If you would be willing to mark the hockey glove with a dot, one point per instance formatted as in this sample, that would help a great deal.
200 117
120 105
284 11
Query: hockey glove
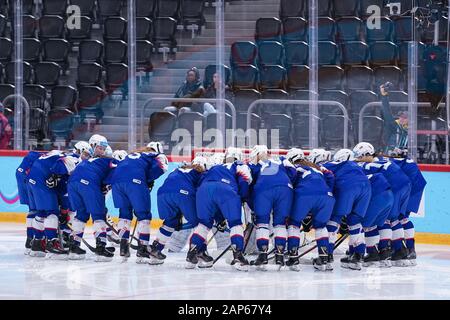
151 185
64 217
179 225
52 182
307 224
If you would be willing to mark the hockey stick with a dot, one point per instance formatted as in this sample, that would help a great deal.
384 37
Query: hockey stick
91 248
337 244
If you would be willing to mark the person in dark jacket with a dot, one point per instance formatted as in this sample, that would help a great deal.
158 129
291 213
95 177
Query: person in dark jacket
395 131
191 88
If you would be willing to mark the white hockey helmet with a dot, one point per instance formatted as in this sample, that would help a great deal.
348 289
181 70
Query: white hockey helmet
258 150
157 146
319 155
344 155
295 154
235 153
215 159
200 161
81 147
363 149
98 140
119 155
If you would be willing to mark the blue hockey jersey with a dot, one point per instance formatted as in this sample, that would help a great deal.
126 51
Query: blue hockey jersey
411 169
26 164
236 174
144 167
347 173
41 169
93 171
392 172
310 181
271 173
181 180
378 183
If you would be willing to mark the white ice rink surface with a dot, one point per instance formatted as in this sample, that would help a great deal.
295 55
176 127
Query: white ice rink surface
23 277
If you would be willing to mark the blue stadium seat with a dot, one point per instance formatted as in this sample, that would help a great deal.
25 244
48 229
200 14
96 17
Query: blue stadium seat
384 33
270 53
403 29
115 51
144 28
328 53
272 77
345 8
349 29
403 53
114 28
383 53
89 74
326 29
244 97
354 53
31 50
331 78
57 50
243 52
47 74
164 33
292 8
90 51
295 29
209 74
51 27
75 35
161 126
359 78
388 73
268 29
245 77
64 97
297 53
298 77
324 8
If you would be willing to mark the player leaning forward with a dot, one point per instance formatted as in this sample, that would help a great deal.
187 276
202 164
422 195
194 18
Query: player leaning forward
222 190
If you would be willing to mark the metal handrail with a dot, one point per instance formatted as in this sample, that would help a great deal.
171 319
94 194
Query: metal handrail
27 117
393 104
227 102
300 102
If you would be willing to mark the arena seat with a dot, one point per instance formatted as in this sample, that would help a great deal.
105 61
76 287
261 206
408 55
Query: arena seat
292 8
268 29
243 52
384 33
245 77
161 125
270 53
29 24
6 49
54 7
383 53
268 109
359 78
146 8
403 29
332 131
117 77
392 74
108 8
6 90
61 123
354 53
328 53
89 74
403 53
169 8
333 95
296 53
115 51
57 50
3 22
36 95
345 8
31 50
186 120
365 4
331 78
10 73
349 29
144 50
47 74
272 77
282 123
90 101
192 12
211 121
63 97
298 77
90 51
295 29
326 29
87 7
324 8
144 28
51 27
244 97
114 28
164 33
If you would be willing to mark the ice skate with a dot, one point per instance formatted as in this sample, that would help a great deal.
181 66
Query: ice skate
399 258
204 260
345 261
261 261
28 246
385 258
293 261
355 261
239 262
372 259
330 260
191 258
55 251
38 248
156 256
102 254
75 252
320 263
411 257
279 257
142 254
113 239
124 249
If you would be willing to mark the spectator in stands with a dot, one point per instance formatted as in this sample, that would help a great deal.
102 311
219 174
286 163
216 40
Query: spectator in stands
211 93
191 88
395 131
5 130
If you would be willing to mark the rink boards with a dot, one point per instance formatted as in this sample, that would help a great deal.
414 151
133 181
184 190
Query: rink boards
432 221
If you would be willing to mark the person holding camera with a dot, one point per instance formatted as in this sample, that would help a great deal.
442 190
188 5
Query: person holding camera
395 130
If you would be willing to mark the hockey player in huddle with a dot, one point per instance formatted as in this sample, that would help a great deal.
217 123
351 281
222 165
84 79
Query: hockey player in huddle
380 206
176 200
352 193
222 190
418 183
312 195
22 184
86 195
46 199
392 231
272 191
131 181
